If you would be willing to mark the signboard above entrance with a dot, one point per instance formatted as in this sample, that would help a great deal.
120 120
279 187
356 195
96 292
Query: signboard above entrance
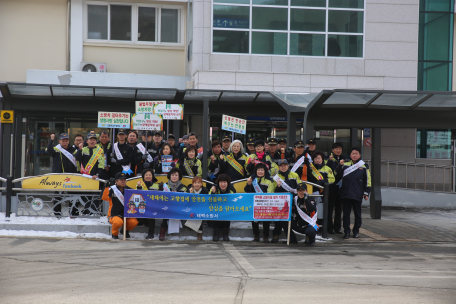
113 120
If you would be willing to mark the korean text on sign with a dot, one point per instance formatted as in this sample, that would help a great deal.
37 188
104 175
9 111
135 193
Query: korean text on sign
234 124
170 111
147 106
113 120
146 121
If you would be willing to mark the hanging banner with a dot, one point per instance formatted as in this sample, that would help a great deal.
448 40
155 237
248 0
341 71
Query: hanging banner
146 121
234 124
147 106
226 207
113 120
170 111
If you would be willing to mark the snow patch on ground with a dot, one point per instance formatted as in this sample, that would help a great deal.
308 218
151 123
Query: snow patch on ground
54 234
41 220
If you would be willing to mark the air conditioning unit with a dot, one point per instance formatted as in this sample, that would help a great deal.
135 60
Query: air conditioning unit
93 67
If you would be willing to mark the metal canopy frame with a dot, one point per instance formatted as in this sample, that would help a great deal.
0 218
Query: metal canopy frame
328 109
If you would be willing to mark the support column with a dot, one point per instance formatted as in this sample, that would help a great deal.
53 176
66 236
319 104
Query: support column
176 129
308 129
353 137
205 136
7 131
376 190
17 142
291 127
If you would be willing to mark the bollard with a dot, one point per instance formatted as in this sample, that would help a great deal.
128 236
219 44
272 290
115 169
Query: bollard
325 210
9 193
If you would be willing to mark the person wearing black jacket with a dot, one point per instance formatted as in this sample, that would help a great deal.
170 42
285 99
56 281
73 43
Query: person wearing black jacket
154 148
308 206
334 201
149 182
63 161
234 162
165 150
356 186
275 152
213 160
172 142
222 186
260 176
126 151
116 206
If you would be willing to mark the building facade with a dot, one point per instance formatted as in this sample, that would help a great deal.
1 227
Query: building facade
282 46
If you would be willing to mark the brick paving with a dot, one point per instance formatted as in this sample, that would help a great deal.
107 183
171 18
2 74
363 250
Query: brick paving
399 224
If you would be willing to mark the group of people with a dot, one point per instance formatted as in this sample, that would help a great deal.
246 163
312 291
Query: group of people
273 171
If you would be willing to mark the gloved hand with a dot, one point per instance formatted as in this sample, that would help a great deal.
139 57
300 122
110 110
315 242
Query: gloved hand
113 160
160 186
146 165
113 155
182 145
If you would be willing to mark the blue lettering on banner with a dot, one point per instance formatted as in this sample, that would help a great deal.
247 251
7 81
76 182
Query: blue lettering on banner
227 207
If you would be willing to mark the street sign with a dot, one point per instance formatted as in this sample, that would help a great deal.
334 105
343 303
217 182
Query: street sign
7 116
367 132
368 142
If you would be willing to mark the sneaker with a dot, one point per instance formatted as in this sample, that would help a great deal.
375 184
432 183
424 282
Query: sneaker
149 236
115 237
355 235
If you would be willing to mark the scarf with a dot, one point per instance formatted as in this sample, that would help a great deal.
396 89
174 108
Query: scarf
190 162
197 192
260 155
174 186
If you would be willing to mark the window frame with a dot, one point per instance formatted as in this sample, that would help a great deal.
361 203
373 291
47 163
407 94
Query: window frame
432 130
134 24
289 31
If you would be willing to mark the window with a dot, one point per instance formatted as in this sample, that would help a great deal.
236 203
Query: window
133 23
434 144
325 28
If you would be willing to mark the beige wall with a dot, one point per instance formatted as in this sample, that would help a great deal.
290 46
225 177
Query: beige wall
138 60
33 36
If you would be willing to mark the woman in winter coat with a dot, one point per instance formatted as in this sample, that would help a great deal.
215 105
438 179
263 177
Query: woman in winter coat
222 186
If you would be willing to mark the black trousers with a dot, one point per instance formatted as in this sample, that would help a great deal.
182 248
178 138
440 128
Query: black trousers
282 225
256 228
334 204
222 224
307 230
347 205
151 223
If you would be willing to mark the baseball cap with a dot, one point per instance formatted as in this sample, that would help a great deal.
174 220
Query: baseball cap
147 133
282 139
299 143
251 141
121 131
226 137
312 141
120 175
64 135
158 132
171 136
91 135
282 161
301 186
273 141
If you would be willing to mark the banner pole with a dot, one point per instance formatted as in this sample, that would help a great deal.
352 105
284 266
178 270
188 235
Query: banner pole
289 231
125 229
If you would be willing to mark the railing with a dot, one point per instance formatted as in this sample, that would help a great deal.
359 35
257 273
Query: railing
417 176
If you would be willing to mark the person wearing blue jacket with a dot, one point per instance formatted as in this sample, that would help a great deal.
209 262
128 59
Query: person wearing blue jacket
356 186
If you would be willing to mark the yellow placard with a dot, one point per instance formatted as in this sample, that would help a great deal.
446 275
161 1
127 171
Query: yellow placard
60 182
7 116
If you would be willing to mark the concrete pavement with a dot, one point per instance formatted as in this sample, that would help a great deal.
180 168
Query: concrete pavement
34 270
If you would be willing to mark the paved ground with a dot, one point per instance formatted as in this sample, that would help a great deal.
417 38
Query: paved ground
407 257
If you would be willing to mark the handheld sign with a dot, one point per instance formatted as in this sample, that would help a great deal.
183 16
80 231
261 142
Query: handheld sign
146 121
113 119
234 124
147 106
170 111
166 163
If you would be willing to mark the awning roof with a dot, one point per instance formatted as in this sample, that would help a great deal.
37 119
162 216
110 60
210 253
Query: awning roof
291 102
